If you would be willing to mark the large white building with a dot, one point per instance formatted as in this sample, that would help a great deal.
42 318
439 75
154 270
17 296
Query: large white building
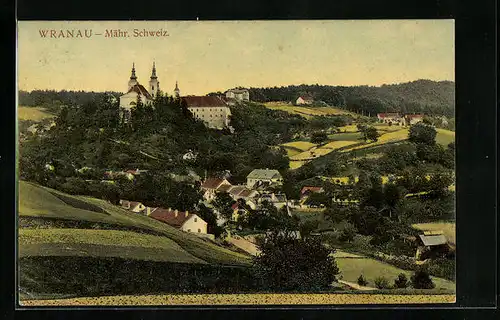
212 110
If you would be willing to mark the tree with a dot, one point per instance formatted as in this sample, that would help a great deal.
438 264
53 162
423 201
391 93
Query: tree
382 283
307 227
223 202
422 133
421 279
319 137
290 264
348 233
371 133
401 281
210 218
362 281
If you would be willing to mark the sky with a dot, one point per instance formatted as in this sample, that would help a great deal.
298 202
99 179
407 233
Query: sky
207 56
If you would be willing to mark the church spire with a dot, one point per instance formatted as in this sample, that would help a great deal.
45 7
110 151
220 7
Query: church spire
177 92
133 76
153 73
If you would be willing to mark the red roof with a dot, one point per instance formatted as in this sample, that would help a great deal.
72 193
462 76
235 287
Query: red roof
388 115
174 218
312 189
204 101
224 188
212 183
234 206
138 88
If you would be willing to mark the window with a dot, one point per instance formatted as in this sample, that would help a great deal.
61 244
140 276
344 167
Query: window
195 219
189 230
199 230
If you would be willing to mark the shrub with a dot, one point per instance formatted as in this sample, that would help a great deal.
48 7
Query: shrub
421 279
348 233
362 281
401 281
382 283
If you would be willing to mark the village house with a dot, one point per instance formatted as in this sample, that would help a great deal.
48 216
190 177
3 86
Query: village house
238 94
182 220
133 206
264 178
211 186
304 100
277 200
432 244
211 110
306 191
391 118
413 119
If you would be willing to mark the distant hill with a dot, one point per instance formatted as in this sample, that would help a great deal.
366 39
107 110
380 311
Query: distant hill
420 96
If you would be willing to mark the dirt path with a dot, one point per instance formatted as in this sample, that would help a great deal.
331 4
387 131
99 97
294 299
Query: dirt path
244 245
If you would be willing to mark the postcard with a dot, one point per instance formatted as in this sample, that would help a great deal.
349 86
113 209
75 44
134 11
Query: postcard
241 163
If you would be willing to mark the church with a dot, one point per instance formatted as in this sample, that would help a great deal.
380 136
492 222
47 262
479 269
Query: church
135 91
212 111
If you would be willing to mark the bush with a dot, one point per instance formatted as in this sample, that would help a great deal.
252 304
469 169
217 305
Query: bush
401 281
362 281
382 283
290 264
421 279
348 233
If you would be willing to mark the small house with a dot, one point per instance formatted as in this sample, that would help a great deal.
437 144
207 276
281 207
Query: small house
431 244
238 94
182 220
304 100
306 191
211 185
133 206
391 118
413 118
264 176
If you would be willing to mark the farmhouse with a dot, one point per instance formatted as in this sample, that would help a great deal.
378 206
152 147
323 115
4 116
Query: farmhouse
306 191
265 177
133 206
413 118
211 185
183 220
431 244
238 94
304 99
391 118
213 111
277 200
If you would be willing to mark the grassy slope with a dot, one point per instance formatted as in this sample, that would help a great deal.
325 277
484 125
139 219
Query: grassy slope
37 201
123 244
32 113
444 136
352 268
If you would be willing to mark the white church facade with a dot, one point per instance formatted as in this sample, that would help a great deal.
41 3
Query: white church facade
137 91
212 111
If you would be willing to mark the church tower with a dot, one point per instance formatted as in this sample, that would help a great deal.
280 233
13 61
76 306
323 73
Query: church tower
177 92
133 78
154 84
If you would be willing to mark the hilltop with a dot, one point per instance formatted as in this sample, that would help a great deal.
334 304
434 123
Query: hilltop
420 96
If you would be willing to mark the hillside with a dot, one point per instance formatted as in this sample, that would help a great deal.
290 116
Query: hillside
420 96
77 246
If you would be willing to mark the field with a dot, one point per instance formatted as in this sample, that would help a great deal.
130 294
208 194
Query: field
247 299
390 137
445 137
307 112
352 268
33 113
40 202
448 229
